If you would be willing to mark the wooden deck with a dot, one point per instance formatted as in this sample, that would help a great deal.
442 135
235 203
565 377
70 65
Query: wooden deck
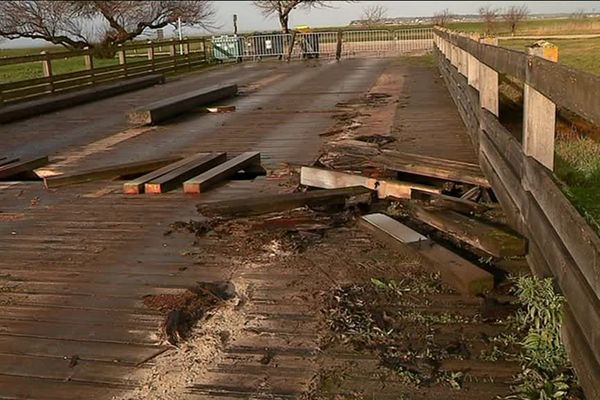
77 261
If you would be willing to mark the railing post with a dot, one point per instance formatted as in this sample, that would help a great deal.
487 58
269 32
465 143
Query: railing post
473 66
186 51
539 112
488 83
88 58
47 69
338 49
173 54
463 67
122 59
205 50
150 53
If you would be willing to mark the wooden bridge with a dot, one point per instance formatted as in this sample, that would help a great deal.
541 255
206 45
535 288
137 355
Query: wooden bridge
79 262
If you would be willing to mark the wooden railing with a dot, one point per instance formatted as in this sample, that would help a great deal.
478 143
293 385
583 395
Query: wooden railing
131 60
561 243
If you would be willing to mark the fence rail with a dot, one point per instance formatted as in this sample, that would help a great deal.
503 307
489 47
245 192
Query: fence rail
137 59
561 243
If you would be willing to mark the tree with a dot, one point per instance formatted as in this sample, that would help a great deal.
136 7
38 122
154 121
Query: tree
374 14
96 24
442 18
489 15
283 8
579 14
515 14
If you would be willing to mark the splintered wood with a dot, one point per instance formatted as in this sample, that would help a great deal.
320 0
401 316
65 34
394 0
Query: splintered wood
328 179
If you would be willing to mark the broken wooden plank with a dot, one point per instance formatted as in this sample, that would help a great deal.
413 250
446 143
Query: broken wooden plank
19 167
451 170
454 270
496 241
328 179
172 179
221 172
452 203
136 186
108 172
286 201
162 110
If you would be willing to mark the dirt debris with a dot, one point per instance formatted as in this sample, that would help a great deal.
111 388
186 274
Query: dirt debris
182 311
174 371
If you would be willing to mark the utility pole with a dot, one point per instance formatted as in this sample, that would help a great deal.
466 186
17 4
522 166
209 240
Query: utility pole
235 24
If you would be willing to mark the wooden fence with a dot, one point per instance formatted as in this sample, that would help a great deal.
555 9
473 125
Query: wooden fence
561 243
131 60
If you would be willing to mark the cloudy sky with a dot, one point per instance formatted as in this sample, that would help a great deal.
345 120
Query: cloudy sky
341 13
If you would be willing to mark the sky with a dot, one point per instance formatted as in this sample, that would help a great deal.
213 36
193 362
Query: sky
341 13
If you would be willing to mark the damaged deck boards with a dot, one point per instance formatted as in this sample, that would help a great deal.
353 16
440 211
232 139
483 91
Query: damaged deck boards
496 241
328 179
457 204
454 270
108 172
286 201
21 166
451 170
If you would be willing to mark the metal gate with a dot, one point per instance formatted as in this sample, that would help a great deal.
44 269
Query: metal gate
367 43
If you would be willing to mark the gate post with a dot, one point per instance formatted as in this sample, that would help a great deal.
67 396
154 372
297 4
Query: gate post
488 83
338 49
539 112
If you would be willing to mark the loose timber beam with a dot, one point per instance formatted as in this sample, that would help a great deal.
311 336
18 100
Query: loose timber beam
490 239
175 177
454 270
452 203
286 201
108 172
19 167
6 160
221 172
162 110
433 167
136 186
328 179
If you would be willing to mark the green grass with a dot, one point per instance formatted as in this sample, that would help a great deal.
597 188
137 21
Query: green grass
18 72
562 26
578 166
582 54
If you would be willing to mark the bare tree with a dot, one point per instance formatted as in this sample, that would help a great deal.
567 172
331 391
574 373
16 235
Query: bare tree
489 15
442 18
374 14
283 8
514 15
579 14
96 24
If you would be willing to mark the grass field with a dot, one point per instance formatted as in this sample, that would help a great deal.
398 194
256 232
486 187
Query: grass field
18 72
582 54
563 26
